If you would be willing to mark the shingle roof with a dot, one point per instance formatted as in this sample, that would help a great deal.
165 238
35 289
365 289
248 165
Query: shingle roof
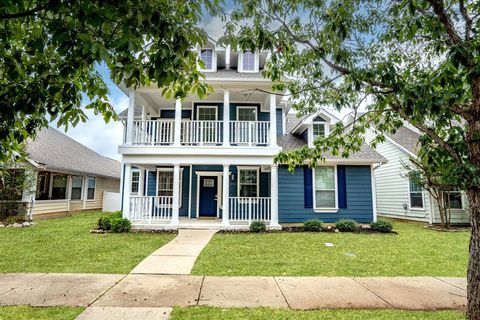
407 138
59 152
233 74
137 112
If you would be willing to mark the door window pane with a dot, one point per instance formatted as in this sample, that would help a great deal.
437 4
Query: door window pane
135 181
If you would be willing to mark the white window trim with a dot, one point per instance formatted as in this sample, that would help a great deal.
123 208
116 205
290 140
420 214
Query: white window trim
181 184
325 210
71 189
214 60
461 202
207 107
410 199
94 188
139 181
243 168
240 62
310 131
247 107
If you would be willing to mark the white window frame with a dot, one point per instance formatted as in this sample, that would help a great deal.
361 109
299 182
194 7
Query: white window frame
247 107
245 168
81 188
310 131
410 198
207 107
461 199
240 62
314 190
139 181
214 60
94 188
181 183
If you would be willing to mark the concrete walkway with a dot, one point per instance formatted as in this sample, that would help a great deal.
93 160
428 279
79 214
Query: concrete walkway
178 256
151 295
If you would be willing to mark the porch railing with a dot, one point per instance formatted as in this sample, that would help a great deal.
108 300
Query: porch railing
249 132
198 132
249 208
153 132
151 208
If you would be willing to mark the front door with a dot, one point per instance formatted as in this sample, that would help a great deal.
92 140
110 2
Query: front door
208 196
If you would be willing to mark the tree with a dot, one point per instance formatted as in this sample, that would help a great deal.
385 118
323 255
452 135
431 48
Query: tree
404 60
49 50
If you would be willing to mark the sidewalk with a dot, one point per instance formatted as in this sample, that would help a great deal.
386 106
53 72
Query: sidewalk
154 291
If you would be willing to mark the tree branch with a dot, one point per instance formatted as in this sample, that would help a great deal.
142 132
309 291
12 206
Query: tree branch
23 14
466 17
442 15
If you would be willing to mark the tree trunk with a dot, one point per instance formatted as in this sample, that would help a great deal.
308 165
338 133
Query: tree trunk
473 277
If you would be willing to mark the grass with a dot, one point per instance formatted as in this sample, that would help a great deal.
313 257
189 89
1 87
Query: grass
204 313
39 313
414 251
66 245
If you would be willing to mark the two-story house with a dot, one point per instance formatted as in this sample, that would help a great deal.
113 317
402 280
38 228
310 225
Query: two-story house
208 163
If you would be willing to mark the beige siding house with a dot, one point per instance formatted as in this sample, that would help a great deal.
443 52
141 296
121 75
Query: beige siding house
66 175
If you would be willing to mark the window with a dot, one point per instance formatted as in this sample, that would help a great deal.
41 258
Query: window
43 185
207 113
247 114
59 188
135 182
248 182
165 183
77 186
92 181
207 57
325 188
453 198
318 130
416 195
248 61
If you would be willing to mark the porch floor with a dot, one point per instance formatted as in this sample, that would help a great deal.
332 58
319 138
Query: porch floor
193 223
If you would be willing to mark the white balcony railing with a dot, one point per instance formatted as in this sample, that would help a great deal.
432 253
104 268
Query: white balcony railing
150 208
249 208
199 132
249 132
153 132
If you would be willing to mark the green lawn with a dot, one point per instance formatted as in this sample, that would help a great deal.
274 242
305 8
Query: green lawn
66 245
37 313
209 313
415 251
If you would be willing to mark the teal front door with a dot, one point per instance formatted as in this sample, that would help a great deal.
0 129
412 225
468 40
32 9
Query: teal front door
208 196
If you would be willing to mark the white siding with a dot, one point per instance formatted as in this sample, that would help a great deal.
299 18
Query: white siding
459 216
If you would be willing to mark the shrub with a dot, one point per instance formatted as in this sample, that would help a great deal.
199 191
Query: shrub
346 225
104 222
258 226
382 226
119 225
313 225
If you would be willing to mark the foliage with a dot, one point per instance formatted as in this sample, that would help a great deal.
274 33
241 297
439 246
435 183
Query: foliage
383 226
257 226
105 221
119 225
313 225
346 225
15 184
50 49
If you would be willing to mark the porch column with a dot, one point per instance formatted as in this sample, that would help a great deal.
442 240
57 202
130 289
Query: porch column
226 193
274 196
130 116
226 118
273 120
178 123
126 191
176 194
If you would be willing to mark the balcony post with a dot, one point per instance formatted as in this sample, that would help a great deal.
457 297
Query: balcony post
130 116
176 195
273 120
274 196
127 174
226 194
178 123
226 118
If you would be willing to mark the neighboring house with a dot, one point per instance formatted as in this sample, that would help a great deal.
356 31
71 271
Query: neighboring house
209 163
67 176
398 197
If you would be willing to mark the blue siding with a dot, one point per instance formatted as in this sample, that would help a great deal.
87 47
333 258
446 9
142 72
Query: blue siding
304 135
318 118
279 122
358 190
170 114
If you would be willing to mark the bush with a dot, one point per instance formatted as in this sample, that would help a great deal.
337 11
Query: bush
119 225
346 225
313 225
104 222
383 226
258 226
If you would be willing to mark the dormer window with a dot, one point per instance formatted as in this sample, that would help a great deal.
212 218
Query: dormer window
318 130
248 61
207 57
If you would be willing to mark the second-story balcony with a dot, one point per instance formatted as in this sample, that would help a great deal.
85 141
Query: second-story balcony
200 132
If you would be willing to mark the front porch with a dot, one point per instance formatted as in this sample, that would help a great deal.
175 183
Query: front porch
225 197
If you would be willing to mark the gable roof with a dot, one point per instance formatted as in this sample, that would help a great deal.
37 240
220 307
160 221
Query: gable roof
406 138
58 152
